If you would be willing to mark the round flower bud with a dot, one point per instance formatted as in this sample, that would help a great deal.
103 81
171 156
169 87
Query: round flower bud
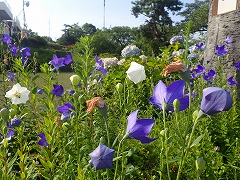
4 113
102 140
119 87
75 79
176 105
200 164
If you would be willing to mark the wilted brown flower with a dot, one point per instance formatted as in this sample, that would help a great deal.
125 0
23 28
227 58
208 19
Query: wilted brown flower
23 35
216 148
96 101
5 61
174 67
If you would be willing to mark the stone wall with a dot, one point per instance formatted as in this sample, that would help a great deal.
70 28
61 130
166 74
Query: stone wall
219 27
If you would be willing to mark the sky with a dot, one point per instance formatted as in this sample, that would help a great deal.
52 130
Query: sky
47 17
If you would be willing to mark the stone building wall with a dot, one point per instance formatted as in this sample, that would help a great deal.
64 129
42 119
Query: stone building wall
219 27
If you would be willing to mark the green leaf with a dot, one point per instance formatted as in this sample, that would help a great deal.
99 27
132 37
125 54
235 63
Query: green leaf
197 140
151 64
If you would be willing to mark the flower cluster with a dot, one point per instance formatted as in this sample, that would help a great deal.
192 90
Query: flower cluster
109 62
174 67
25 51
176 39
130 50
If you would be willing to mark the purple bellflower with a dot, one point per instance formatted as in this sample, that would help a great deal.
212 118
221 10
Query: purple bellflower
221 50
70 92
215 100
58 90
6 39
200 46
102 157
39 91
198 71
11 76
65 110
237 65
67 59
228 41
9 135
25 53
139 128
15 122
43 140
209 76
163 96
57 62
99 66
231 82
14 50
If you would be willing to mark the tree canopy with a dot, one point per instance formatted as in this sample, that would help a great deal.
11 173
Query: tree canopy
197 12
157 14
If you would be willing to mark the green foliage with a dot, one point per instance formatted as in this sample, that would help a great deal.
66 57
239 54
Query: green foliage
113 40
157 13
43 55
186 147
34 41
196 12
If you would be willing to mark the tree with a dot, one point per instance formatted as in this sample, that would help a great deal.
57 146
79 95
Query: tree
101 43
89 29
157 13
113 40
71 34
197 12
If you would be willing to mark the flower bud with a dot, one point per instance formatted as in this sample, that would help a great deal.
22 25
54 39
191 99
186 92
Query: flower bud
200 164
195 114
4 113
102 140
75 79
163 132
176 105
119 87
15 122
65 126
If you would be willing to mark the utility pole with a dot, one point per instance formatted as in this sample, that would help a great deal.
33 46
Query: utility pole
24 16
104 14
49 27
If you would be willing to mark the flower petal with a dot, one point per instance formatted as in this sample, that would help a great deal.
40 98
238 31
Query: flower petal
175 91
132 118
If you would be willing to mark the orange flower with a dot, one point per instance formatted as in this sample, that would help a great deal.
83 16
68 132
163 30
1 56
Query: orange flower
174 67
97 101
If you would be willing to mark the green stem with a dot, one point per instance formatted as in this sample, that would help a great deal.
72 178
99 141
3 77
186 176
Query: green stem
166 141
187 149
118 151
161 159
107 130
